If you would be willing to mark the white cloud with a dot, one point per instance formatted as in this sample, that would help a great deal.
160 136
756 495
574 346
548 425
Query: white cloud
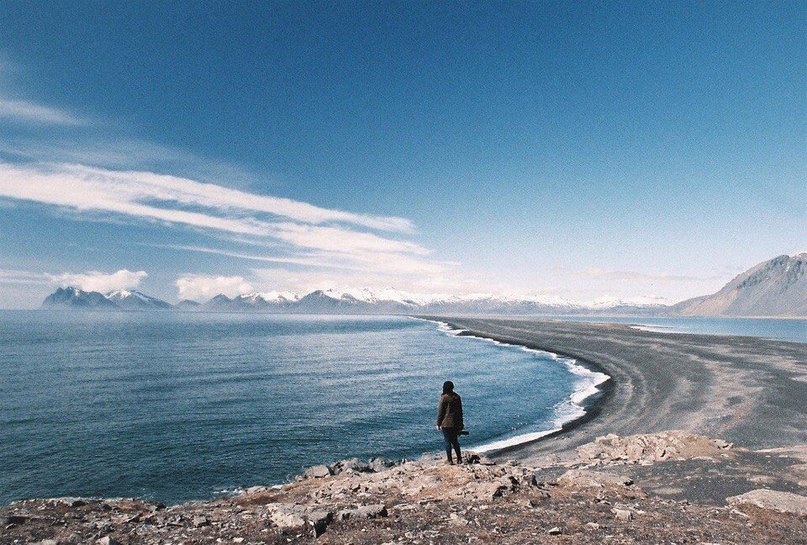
202 288
127 192
159 197
99 281
30 112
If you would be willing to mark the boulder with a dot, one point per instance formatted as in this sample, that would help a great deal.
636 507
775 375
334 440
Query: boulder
319 521
286 515
350 465
317 472
785 502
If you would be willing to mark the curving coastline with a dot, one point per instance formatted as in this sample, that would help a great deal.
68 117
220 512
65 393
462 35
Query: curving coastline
744 389
584 401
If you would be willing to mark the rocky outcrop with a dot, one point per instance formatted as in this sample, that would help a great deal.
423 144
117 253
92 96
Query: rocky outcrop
650 448
591 500
785 502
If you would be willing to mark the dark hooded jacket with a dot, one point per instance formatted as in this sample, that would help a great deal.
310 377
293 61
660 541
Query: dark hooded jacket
449 412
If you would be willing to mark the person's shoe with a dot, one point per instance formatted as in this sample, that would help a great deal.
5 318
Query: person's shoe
459 461
449 462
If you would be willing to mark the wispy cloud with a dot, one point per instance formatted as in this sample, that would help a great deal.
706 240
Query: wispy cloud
12 276
31 112
378 262
302 234
141 185
100 281
607 274
202 287
159 196
119 152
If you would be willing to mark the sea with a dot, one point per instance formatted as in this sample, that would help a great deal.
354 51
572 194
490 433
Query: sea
174 407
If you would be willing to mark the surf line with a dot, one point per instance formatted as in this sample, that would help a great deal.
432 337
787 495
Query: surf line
565 413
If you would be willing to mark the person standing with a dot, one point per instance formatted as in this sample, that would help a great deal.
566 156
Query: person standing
449 420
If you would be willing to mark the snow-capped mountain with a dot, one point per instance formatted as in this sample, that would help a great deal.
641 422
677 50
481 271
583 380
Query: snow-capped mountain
135 300
92 300
251 302
75 298
343 301
777 287
392 301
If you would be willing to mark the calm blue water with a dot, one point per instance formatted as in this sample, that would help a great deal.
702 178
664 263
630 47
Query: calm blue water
184 406
794 330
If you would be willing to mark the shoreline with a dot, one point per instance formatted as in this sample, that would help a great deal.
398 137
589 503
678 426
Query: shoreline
589 404
745 389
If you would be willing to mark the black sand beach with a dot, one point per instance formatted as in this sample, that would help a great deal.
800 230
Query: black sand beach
745 390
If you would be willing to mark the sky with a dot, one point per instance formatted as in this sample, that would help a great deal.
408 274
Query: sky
574 149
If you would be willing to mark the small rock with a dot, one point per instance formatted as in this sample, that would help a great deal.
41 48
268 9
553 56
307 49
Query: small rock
457 520
555 531
592 526
200 521
238 540
16 519
107 540
721 444
379 464
364 512
623 514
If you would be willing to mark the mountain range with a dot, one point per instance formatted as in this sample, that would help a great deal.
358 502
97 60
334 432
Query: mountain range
777 287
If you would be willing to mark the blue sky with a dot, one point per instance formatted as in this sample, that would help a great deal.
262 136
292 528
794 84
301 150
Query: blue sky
573 149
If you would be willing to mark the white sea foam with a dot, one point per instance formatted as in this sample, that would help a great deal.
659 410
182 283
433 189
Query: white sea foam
566 411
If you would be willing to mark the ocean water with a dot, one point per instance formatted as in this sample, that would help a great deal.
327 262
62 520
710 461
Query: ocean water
784 329
176 407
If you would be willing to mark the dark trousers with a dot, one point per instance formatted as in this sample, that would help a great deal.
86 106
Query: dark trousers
450 436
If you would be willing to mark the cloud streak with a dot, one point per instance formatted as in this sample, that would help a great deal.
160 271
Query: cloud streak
13 276
30 112
607 274
172 199
139 185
